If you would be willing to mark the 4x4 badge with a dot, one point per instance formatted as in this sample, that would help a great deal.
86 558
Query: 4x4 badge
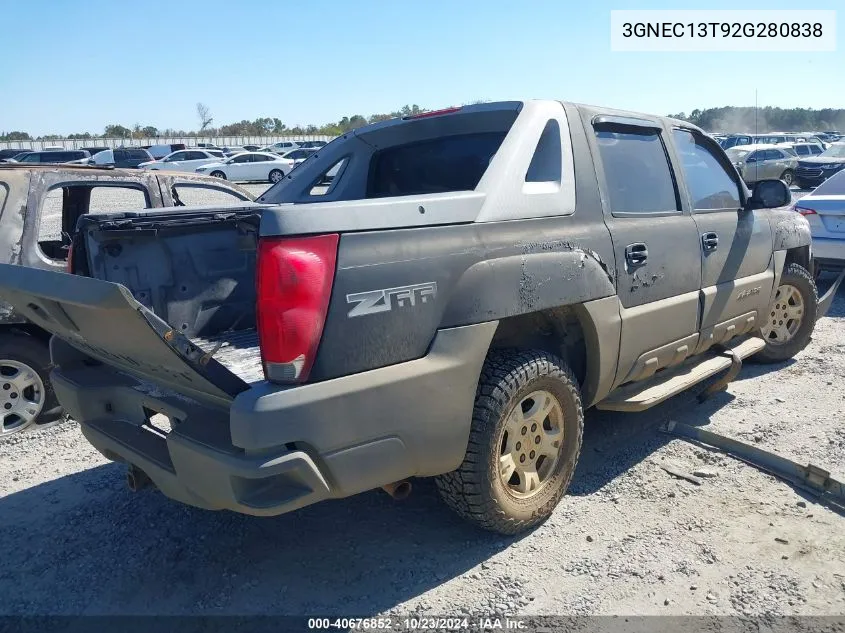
374 301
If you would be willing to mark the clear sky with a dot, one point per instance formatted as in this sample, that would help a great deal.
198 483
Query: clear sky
77 65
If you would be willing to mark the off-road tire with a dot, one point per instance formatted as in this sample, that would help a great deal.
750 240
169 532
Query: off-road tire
475 490
800 278
34 352
218 174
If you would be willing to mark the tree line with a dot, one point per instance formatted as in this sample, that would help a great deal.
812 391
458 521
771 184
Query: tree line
724 119
735 119
262 126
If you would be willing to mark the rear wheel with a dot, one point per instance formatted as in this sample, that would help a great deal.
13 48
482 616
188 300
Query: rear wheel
788 325
218 174
26 395
787 177
276 175
524 443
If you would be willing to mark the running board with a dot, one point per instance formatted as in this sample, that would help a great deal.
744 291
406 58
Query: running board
639 396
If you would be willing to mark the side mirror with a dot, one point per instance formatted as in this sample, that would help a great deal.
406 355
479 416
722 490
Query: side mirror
751 159
769 194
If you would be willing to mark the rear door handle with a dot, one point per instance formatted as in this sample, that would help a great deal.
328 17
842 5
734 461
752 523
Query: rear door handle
636 254
709 242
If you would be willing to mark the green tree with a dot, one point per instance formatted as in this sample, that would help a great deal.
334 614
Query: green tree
149 131
15 136
117 131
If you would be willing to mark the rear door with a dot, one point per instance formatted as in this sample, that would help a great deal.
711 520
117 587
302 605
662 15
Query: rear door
655 241
735 245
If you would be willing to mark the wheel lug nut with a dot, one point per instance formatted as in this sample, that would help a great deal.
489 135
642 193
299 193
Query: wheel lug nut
518 445
521 457
524 430
537 440
533 427
8 406
7 386
13 395
531 454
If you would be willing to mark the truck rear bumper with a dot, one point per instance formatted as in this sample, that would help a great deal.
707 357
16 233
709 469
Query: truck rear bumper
278 449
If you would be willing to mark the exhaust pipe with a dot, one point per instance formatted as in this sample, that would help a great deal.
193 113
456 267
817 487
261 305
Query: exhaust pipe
137 479
399 490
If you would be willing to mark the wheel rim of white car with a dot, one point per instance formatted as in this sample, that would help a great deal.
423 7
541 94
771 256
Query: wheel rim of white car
531 443
276 175
21 396
785 315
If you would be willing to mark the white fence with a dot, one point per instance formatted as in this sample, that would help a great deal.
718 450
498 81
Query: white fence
221 141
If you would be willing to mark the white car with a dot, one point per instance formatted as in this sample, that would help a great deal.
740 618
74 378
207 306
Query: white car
248 166
281 147
184 160
824 209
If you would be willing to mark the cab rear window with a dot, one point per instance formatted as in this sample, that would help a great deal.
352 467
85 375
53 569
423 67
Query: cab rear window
449 163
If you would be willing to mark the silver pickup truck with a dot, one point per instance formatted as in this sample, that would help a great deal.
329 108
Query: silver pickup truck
447 305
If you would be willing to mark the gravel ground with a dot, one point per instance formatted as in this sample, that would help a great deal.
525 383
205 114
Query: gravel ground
628 539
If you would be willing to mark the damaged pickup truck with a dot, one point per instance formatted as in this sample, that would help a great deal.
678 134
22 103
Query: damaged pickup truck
448 305
39 208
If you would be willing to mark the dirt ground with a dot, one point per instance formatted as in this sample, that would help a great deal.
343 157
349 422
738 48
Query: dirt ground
628 539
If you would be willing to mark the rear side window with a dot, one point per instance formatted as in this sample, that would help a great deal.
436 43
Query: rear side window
815 149
546 164
138 154
802 150
637 172
450 163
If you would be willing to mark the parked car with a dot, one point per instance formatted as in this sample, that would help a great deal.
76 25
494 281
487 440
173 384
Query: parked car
160 151
814 170
95 150
208 146
16 158
11 153
54 156
52 148
281 147
732 140
802 149
249 167
251 148
299 155
185 160
450 307
122 157
38 236
231 151
763 162
312 144
824 209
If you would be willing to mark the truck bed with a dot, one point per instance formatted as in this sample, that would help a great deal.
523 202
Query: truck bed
239 353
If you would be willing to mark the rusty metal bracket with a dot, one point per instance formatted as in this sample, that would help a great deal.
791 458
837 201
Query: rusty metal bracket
810 478
730 375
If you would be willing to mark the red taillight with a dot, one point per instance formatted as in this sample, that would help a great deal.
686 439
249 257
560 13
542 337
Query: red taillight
294 279
432 113
805 211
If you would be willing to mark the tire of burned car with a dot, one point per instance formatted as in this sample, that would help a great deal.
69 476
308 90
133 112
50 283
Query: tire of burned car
788 325
528 418
25 362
